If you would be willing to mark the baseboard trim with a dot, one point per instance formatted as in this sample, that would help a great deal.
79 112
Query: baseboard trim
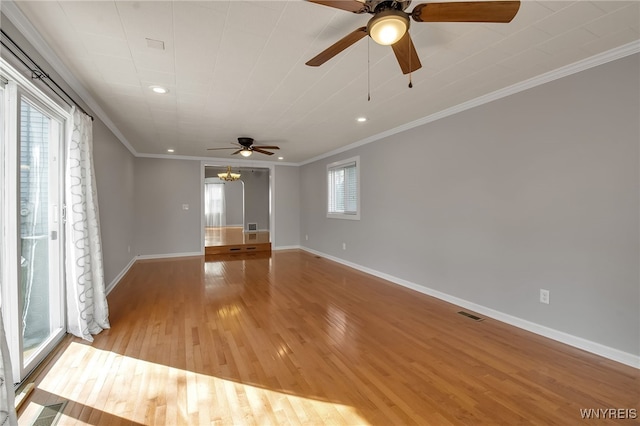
122 273
168 255
287 248
109 288
559 336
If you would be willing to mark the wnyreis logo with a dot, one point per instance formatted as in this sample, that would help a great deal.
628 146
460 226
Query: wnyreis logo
609 413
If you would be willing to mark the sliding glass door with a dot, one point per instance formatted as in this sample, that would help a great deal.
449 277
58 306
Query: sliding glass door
32 292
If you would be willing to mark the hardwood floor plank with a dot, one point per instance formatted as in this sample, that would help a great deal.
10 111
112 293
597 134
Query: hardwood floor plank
291 338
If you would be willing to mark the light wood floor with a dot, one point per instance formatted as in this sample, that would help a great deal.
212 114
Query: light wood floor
290 338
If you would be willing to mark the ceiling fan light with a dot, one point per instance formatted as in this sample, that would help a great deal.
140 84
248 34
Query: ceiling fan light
245 152
388 27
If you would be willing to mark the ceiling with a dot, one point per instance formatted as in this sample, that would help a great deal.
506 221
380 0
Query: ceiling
237 68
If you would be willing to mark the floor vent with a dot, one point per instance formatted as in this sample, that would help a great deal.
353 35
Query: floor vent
50 414
468 315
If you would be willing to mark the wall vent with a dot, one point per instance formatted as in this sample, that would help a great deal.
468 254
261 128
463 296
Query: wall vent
50 414
468 315
252 226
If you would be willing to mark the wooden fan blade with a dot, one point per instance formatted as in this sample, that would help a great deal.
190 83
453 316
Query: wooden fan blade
266 146
338 47
475 11
213 149
406 54
237 152
348 5
261 151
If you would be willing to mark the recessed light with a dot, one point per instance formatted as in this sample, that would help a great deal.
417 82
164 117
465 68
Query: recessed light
280 158
159 89
171 150
361 119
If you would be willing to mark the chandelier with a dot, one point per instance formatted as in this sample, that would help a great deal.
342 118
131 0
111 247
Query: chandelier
229 175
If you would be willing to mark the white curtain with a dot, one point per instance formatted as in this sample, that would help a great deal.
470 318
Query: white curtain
214 208
7 394
87 310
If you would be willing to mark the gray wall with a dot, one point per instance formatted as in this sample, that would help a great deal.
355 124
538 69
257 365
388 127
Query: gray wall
234 202
256 197
162 226
115 181
287 206
536 190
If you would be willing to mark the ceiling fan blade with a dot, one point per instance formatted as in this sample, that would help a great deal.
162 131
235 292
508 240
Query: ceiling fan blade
266 147
475 11
348 5
338 47
237 152
261 151
213 149
406 54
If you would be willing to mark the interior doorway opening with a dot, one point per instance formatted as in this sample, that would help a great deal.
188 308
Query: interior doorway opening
236 213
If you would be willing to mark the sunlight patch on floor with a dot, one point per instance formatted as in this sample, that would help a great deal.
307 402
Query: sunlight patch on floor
149 393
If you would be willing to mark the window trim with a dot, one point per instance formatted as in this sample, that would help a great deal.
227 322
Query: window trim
339 164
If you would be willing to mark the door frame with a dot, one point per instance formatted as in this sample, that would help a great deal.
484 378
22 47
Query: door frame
17 88
218 162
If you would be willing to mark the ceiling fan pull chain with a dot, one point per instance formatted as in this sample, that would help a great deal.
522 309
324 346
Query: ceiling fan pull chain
410 68
368 69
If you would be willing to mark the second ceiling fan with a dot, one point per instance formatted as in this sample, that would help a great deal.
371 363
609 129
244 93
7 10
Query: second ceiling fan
245 147
390 23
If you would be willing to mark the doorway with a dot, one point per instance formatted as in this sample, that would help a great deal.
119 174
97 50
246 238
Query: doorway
236 213
32 285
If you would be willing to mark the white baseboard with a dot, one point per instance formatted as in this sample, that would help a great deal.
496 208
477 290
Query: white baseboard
122 273
288 248
168 255
577 342
109 288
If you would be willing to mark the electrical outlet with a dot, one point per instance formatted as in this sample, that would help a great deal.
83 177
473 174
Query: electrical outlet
306 237
544 296
344 246
128 249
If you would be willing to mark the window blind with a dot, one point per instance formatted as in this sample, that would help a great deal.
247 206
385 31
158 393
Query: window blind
343 189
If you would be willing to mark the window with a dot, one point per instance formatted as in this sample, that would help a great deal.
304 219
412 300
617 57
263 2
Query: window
343 178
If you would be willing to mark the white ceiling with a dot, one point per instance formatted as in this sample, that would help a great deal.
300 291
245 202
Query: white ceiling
237 68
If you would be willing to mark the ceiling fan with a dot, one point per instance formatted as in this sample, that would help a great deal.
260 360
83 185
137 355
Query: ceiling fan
390 23
247 147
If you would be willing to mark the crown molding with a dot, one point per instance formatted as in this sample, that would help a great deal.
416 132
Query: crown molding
13 13
233 161
576 67
26 28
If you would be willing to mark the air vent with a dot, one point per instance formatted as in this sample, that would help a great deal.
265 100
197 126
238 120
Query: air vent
155 44
50 414
252 226
468 315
